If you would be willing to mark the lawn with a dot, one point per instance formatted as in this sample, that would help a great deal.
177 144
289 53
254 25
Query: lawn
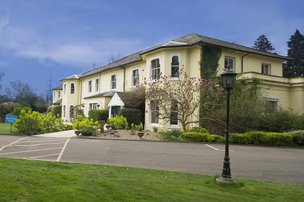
24 180
6 129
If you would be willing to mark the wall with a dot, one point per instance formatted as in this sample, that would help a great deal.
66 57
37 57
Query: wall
68 99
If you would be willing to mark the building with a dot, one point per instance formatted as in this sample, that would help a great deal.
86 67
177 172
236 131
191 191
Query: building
96 89
57 95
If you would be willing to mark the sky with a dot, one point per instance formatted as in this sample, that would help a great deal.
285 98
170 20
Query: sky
48 40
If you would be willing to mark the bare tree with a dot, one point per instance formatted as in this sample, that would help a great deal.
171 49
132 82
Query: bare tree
177 100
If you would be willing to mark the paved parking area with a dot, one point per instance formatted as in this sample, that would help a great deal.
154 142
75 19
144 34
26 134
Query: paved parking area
268 163
40 148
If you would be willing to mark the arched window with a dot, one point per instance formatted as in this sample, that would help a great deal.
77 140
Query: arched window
175 66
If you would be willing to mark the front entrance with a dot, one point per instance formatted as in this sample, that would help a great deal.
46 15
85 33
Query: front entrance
114 110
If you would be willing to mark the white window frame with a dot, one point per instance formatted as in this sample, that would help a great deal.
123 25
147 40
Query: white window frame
71 89
133 77
93 106
97 85
233 59
150 64
268 100
112 81
177 124
268 68
90 86
64 89
179 65
150 115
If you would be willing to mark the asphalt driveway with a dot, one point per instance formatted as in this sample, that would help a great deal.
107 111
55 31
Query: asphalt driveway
268 163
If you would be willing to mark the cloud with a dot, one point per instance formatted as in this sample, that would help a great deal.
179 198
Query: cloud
80 53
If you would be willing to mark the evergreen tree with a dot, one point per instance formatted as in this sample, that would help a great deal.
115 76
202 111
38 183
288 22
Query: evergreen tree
295 66
263 44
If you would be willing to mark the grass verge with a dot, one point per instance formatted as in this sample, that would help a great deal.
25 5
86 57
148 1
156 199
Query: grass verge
24 180
6 129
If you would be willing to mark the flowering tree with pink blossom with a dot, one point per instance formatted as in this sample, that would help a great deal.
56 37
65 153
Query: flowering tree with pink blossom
178 99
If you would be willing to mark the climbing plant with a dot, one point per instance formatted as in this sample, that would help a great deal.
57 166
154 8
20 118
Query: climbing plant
209 95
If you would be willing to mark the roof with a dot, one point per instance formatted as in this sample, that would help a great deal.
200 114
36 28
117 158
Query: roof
57 102
72 77
132 99
58 88
184 41
105 94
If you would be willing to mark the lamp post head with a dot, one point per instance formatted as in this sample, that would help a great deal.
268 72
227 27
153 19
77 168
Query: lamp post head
228 79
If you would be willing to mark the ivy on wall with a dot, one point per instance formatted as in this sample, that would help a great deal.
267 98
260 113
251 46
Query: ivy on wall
210 57
209 64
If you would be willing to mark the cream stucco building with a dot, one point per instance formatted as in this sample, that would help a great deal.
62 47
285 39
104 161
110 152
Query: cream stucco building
94 89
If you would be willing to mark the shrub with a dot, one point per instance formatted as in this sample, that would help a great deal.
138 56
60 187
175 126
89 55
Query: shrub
281 121
132 115
29 123
88 130
55 109
199 130
84 123
194 137
171 134
98 115
297 137
118 122
215 138
263 138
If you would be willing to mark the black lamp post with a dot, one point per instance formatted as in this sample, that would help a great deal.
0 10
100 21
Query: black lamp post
227 82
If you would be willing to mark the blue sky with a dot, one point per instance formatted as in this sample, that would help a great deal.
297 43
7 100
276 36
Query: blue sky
52 39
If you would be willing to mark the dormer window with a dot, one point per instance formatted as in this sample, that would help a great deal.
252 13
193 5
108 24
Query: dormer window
155 69
175 66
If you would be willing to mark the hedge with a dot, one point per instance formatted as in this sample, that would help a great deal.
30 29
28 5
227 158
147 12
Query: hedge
132 115
98 115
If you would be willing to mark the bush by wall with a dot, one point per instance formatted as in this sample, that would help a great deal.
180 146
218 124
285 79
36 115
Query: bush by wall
86 126
98 115
171 134
32 122
297 137
132 115
55 109
118 122
194 137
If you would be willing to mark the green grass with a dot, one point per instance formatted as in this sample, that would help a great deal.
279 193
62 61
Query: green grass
6 129
24 180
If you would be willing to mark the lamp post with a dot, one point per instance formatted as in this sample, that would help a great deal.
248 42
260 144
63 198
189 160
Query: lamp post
227 82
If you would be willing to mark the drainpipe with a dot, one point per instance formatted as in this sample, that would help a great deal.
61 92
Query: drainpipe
242 62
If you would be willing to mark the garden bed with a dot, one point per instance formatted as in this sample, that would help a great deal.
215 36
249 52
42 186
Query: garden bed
127 135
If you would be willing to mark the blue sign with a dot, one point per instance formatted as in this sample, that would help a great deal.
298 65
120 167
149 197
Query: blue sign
10 119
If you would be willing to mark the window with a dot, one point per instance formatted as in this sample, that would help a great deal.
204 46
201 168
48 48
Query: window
54 94
64 88
229 63
154 111
266 68
273 104
155 69
174 112
93 106
72 111
135 77
90 86
58 94
72 88
96 84
63 111
175 66
113 82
